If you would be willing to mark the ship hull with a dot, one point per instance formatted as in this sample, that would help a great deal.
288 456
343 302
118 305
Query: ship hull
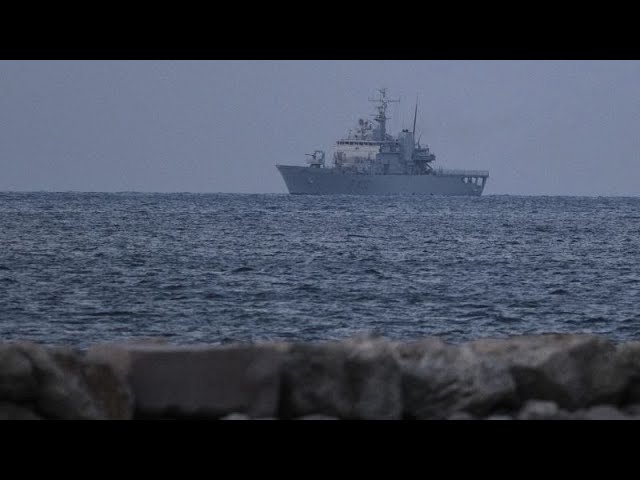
328 181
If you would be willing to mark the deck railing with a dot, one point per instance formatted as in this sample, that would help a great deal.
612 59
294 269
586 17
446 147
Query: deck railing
469 173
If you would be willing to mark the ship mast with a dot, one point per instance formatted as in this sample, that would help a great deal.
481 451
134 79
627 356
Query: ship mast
381 117
415 117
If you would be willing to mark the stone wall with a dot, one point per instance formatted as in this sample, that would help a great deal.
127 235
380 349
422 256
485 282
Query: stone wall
531 377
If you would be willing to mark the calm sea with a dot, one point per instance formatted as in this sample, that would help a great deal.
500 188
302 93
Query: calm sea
78 269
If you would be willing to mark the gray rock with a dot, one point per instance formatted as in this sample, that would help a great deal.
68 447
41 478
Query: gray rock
628 364
632 410
198 381
62 391
11 411
58 383
440 379
571 370
355 379
414 351
602 412
460 416
543 410
243 416
538 410
317 417
540 377
17 379
111 392
236 416
499 417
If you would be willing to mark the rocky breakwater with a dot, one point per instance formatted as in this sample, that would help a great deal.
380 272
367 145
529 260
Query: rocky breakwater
555 377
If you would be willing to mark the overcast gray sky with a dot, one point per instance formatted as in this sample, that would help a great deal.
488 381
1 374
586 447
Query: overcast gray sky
539 127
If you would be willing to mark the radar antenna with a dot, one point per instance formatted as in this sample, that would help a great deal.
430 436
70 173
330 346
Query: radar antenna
381 117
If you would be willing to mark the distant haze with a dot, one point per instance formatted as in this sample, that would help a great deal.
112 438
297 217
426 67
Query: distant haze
539 127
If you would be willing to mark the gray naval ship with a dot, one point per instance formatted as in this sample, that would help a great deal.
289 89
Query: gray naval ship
368 161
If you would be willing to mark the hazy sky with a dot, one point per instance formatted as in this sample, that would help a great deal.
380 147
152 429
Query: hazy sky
539 127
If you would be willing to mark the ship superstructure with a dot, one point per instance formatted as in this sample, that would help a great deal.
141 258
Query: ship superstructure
370 161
